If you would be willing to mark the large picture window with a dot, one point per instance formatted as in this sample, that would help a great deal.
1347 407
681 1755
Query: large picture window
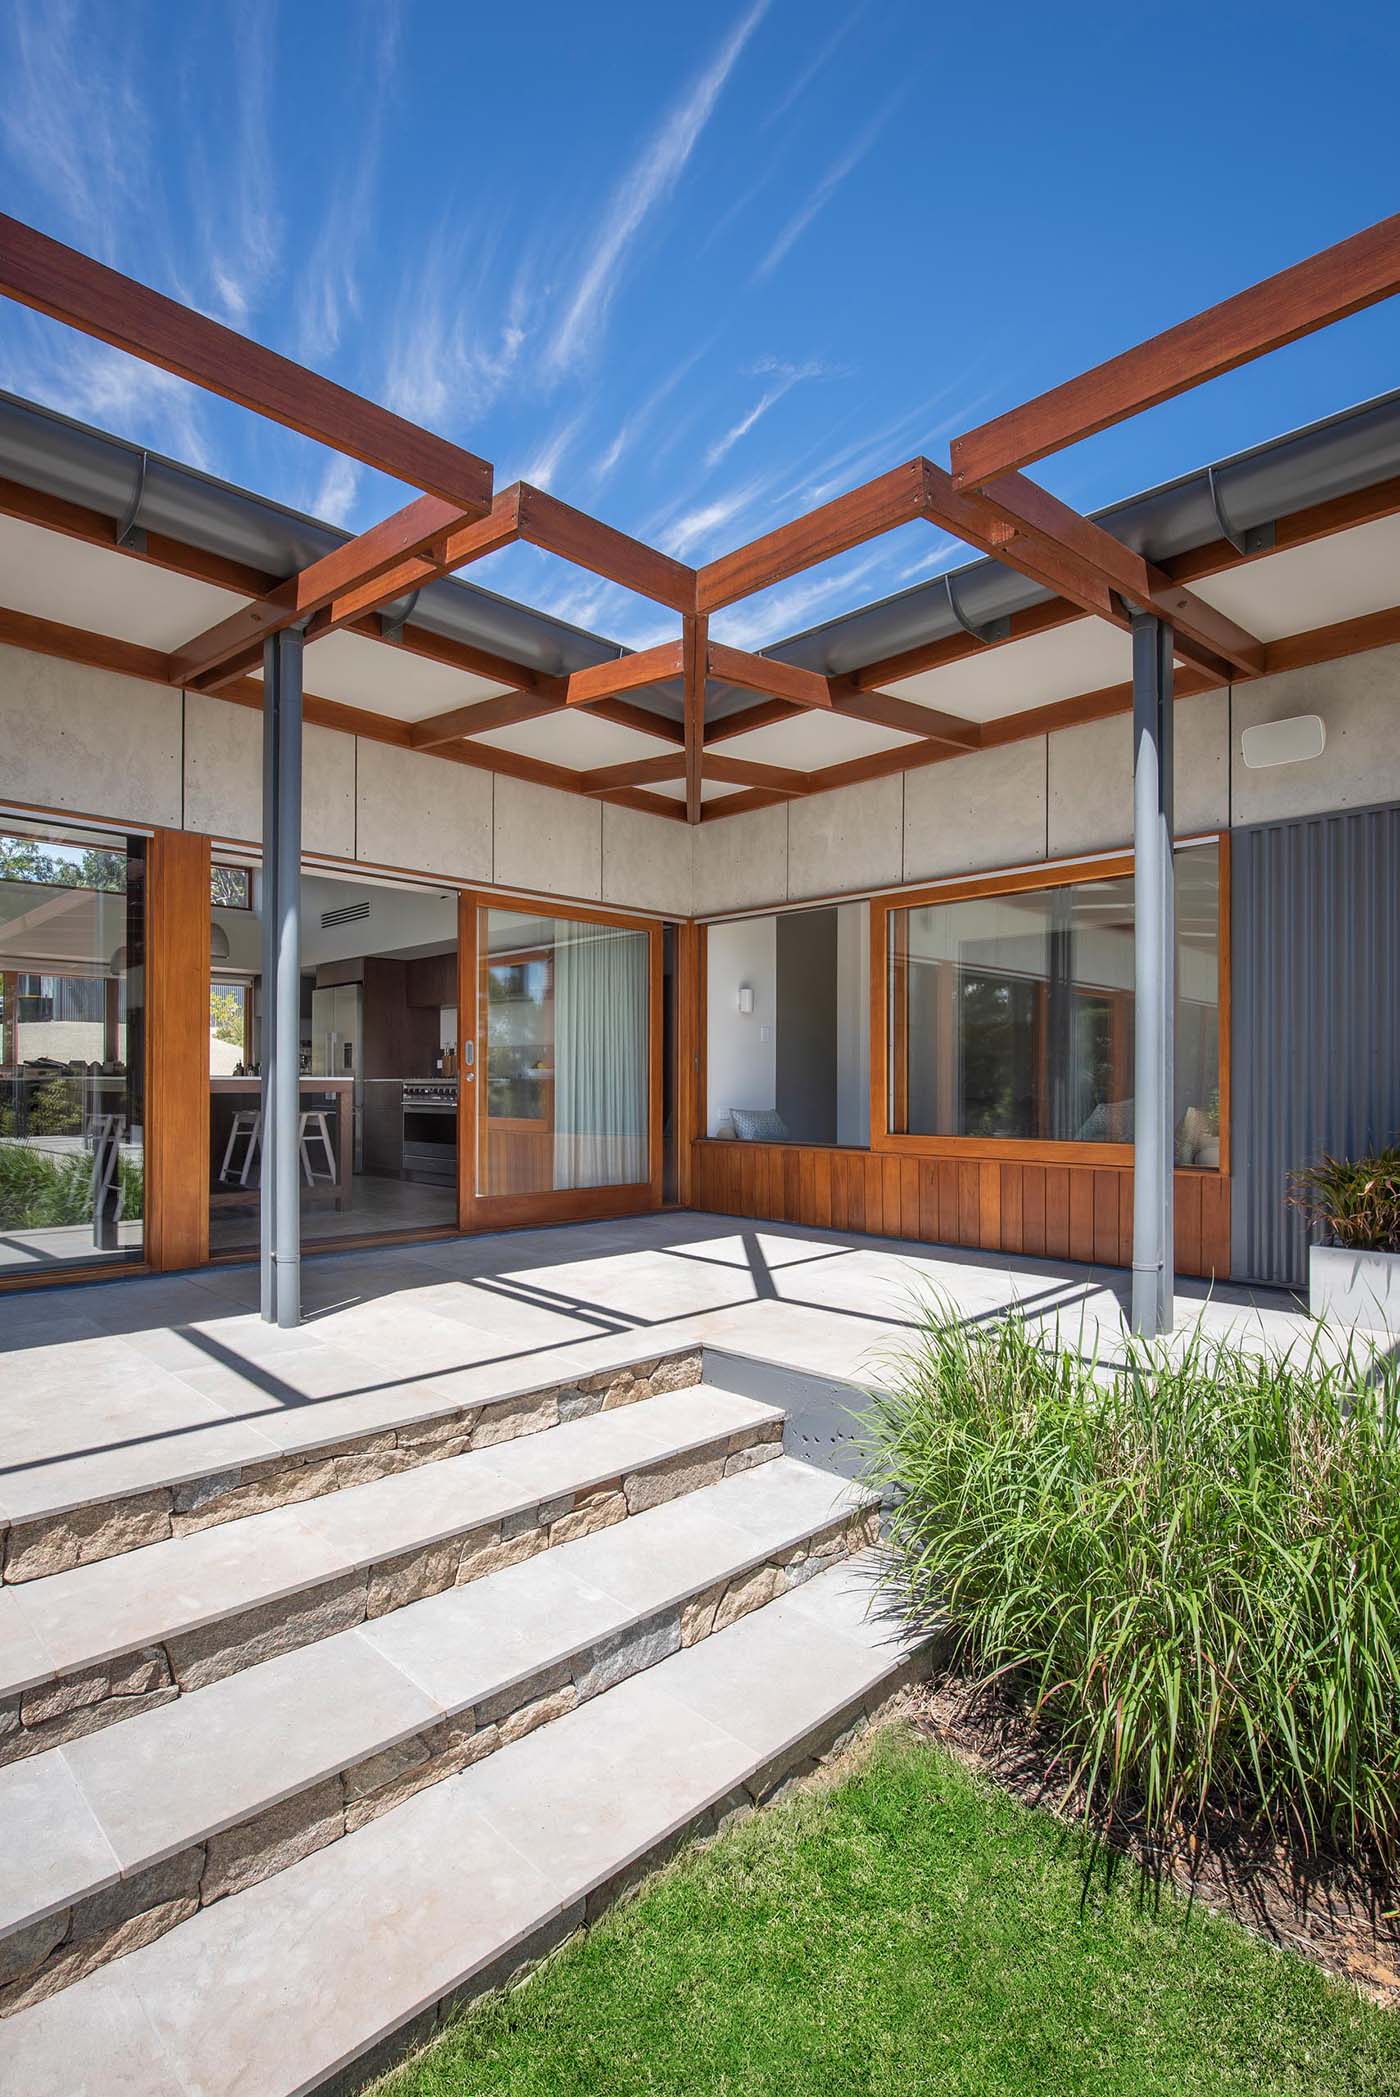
1010 1014
787 1024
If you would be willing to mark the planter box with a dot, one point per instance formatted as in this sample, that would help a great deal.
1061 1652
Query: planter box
1355 1288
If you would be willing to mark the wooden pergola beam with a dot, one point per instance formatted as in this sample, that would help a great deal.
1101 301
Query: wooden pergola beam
743 771
626 673
1341 280
639 771
760 673
237 640
574 536
834 527
469 542
695 652
87 295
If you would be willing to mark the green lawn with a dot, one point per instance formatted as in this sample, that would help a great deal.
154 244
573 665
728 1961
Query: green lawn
912 1930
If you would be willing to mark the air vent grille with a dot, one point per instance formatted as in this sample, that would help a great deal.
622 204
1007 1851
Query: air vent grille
348 914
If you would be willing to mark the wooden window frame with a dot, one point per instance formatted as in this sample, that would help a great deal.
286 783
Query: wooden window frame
478 1212
1047 1150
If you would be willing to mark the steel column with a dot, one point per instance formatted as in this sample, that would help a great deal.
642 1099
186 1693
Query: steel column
1154 1017
281 980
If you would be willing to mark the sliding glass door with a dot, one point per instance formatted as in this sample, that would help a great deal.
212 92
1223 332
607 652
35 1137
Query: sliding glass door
561 1080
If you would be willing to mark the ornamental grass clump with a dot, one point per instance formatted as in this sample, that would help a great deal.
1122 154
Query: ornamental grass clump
1189 1564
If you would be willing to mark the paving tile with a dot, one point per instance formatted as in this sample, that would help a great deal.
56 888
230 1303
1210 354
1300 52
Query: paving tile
479 1639
24 1658
364 1523
586 1796
769 1680
161 1781
106 1425
92 2040
788 1498
54 1849
267 1992
653 1560
124 1603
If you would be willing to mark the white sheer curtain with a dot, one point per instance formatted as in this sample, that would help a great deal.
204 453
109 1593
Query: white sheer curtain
600 1056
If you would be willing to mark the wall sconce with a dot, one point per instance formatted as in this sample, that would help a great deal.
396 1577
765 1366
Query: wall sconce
1288 742
746 997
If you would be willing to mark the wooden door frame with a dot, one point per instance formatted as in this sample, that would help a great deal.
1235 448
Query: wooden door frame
477 1212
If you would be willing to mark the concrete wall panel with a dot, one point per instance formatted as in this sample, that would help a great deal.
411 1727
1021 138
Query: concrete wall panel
88 739
416 812
983 810
646 861
741 861
548 840
1359 700
847 839
1091 777
223 777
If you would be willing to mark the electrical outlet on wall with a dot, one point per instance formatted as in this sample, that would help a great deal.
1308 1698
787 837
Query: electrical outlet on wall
765 1033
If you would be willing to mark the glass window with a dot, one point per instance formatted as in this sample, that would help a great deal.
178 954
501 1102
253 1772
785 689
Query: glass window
787 1027
1011 1016
564 1054
72 1047
378 1085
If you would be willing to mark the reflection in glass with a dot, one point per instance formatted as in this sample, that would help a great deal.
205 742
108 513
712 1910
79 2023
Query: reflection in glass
1011 1016
564 1081
72 1047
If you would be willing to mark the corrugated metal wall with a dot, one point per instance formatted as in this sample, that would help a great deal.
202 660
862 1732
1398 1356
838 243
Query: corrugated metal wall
1315 1015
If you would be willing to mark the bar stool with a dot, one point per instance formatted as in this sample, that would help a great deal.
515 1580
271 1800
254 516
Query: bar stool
247 1127
315 1128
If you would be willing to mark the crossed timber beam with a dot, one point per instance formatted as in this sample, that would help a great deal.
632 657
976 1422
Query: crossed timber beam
1327 287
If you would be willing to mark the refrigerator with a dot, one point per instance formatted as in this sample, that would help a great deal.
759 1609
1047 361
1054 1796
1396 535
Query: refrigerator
337 1045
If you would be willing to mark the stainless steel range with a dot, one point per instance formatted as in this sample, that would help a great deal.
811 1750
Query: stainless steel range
430 1131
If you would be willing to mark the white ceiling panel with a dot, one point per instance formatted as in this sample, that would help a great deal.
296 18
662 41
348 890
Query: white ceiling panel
101 591
361 672
811 740
1338 578
710 790
1082 657
572 736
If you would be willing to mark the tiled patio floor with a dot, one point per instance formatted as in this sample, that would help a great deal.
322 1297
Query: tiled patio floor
112 1387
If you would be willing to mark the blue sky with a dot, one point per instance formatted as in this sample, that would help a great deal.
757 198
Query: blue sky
697 267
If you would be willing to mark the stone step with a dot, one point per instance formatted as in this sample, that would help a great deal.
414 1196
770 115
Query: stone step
104 1642
346 1956
80 1506
125 1833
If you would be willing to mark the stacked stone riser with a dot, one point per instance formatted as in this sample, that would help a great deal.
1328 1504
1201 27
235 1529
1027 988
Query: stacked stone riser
69 1705
52 1954
84 1535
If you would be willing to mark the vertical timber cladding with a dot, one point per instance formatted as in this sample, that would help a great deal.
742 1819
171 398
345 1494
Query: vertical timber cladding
177 1035
1041 1211
1315 929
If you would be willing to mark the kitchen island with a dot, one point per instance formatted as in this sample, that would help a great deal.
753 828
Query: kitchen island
335 1097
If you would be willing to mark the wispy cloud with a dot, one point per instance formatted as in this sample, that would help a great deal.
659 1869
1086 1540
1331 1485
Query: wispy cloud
72 118
826 189
334 499
438 370
651 178
785 377
242 225
545 463
820 57
632 426
328 292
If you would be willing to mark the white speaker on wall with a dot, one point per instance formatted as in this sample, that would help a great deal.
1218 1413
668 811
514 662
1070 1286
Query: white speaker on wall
1290 742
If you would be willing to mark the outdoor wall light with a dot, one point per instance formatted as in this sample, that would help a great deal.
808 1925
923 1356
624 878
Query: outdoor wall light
1288 742
746 997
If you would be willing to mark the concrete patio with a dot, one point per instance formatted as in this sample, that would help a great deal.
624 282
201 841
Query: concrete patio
114 1389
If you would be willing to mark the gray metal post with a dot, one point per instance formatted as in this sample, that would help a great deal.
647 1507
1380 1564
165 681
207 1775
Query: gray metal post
1154 1016
281 980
